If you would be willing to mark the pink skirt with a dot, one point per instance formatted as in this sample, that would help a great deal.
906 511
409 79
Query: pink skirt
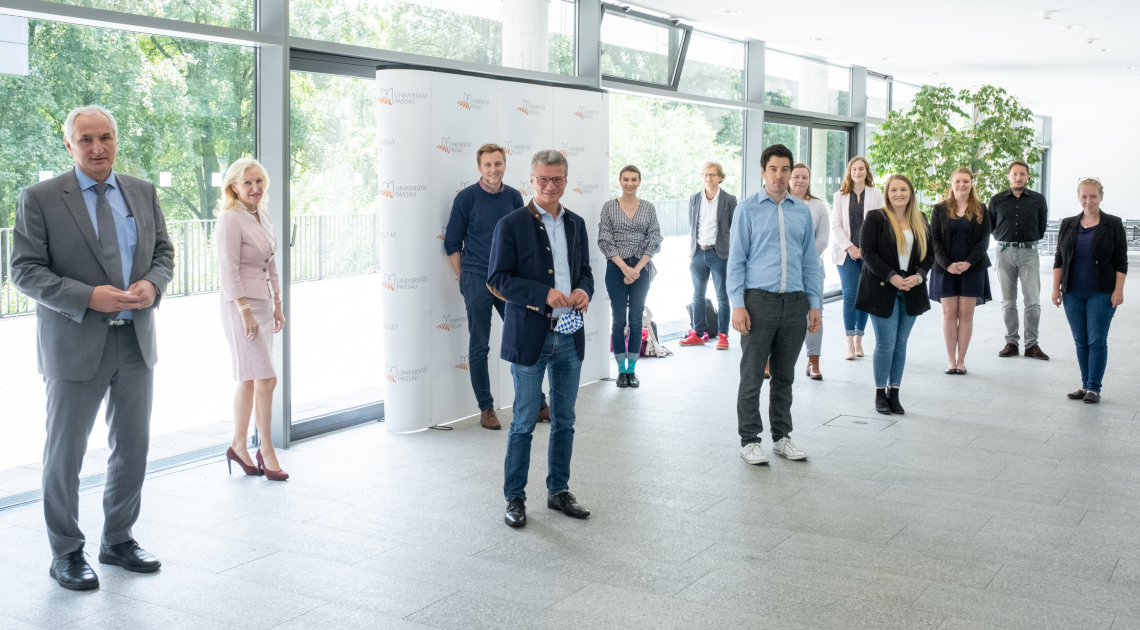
252 358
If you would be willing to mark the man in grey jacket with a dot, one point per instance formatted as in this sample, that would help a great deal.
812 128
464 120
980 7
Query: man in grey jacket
90 248
710 217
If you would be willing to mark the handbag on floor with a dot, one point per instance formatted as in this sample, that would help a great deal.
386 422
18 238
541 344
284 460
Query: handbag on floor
652 347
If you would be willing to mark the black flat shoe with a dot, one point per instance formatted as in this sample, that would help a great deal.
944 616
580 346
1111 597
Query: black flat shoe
893 401
1077 395
1091 397
961 372
73 573
882 404
621 380
516 513
951 370
129 556
566 503
631 380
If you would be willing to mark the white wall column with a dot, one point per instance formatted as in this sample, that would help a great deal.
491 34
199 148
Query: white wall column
526 34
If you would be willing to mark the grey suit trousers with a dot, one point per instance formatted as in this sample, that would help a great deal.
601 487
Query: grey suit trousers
779 325
128 385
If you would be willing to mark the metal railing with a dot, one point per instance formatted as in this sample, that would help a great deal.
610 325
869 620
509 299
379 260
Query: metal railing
324 246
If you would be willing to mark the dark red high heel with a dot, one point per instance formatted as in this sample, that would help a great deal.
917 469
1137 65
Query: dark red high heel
231 457
272 475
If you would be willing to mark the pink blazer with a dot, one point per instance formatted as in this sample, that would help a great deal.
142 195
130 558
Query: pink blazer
246 262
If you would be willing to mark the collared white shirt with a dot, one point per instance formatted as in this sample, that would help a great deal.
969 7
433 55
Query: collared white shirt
560 250
706 222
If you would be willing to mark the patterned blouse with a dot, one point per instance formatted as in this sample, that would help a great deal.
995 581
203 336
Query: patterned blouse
618 235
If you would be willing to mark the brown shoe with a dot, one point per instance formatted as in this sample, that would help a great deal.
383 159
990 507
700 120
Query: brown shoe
544 414
1034 352
813 368
489 420
767 373
1010 350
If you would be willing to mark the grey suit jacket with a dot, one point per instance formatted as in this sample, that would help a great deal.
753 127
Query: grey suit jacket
725 208
56 261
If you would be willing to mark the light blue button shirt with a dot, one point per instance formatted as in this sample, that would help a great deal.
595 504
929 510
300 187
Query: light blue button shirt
125 230
556 232
772 253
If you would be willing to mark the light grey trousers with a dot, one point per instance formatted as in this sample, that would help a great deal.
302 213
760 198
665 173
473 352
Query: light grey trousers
1020 265
128 385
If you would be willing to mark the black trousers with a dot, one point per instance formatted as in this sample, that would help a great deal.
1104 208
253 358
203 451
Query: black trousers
777 334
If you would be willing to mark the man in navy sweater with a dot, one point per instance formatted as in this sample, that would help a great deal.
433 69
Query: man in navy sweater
474 214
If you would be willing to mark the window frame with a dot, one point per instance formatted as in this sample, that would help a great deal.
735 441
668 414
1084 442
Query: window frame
686 31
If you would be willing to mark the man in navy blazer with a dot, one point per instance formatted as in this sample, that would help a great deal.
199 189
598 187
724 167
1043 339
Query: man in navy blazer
540 265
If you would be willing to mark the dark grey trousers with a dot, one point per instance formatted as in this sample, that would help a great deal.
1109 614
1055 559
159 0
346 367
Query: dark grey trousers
777 334
128 385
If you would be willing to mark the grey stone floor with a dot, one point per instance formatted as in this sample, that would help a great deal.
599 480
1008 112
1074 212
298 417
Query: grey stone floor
993 503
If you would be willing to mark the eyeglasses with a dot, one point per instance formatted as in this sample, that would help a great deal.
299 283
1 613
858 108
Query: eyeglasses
708 175
543 181
1081 179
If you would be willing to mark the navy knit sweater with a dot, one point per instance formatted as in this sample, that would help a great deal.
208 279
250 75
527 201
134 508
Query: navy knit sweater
471 227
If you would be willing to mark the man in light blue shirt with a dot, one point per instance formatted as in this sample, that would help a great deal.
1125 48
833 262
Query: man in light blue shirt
774 284
124 221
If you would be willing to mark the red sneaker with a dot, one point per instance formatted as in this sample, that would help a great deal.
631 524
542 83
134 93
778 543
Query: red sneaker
722 341
694 340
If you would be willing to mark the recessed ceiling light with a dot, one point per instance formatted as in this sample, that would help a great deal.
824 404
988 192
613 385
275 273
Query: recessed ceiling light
819 39
728 11
1107 50
887 58
1091 40
1131 67
1069 27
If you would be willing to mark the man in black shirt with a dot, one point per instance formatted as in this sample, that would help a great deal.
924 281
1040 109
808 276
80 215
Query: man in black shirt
1020 217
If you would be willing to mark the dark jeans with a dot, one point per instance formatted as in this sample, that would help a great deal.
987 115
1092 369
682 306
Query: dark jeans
560 358
626 298
891 335
704 262
854 320
777 334
1089 318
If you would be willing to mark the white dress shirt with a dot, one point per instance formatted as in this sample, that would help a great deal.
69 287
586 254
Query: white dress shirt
706 224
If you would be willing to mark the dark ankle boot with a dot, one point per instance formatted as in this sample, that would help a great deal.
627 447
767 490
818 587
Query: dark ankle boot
882 405
893 399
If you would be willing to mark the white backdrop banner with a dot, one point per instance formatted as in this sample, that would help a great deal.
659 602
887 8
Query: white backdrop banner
430 124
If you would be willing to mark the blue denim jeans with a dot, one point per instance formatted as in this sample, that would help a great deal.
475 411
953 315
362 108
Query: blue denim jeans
891 334
1089 318
704 262
627 304
854 320
479 302
560 358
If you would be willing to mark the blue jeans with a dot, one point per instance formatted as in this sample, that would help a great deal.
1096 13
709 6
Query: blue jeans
560 358
1089 318
626 298
704 262
854 320
891 334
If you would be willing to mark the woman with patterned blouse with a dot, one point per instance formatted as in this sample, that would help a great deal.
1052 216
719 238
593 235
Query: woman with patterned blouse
628 236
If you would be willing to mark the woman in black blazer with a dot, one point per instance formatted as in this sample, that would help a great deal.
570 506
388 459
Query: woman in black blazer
960 230
893 293
1088 277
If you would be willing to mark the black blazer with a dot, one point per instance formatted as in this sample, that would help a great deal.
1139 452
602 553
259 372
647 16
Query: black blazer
977 239
726 205
521 272
1110 251
876 294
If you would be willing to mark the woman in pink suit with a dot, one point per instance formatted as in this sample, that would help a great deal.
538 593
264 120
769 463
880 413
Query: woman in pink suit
251 308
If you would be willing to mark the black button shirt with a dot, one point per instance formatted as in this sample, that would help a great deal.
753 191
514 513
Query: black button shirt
1021 219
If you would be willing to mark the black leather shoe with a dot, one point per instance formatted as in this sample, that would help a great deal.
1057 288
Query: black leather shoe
621 382
73 573
631 380
129 556
566 503
893 400
882 404
1077 395
1092 397
516 513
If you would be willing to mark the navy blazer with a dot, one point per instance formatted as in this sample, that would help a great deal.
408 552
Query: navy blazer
521 273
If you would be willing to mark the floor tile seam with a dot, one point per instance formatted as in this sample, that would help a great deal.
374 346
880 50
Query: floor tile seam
3 617
966 497
242 564
1050 601
1036 603
435 601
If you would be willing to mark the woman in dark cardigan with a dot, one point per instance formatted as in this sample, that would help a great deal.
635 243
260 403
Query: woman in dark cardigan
895 244
960 229
1088 277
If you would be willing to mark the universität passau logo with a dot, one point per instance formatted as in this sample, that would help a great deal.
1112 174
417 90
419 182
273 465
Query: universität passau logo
394 374
394 190
586 113
453 146
462 365
571 150
469 102
451 322
530 108
513 147
462 185
586 189
388 281
392 96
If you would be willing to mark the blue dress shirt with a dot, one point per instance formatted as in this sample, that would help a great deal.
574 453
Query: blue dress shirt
125 230
556 232
763 254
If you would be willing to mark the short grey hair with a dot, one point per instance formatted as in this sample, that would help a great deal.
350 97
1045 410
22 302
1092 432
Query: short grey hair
549 157
69 124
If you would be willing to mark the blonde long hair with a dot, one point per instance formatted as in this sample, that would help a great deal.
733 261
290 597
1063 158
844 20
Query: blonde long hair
848 184
914 218
228 200
975 211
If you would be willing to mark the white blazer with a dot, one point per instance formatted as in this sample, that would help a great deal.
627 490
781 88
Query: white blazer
841 220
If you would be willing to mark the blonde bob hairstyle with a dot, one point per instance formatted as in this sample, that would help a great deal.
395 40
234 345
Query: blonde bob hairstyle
229 199
848 185
914 218
975 211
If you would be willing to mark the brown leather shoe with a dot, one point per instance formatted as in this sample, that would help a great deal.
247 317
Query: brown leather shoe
813 368
1010 350
767 372
544 414
1034 352
489 420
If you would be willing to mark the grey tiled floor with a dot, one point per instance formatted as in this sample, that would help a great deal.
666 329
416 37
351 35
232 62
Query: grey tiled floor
993 503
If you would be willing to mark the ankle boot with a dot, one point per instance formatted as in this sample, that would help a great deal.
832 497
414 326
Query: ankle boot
893 400
882 404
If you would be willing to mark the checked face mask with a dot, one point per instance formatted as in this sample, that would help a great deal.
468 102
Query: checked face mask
569 323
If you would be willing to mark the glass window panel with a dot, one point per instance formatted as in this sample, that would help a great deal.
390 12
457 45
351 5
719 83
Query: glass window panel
231 13
714 67
795 137
807 84
185 111
902 96
492 32
878 97
639 49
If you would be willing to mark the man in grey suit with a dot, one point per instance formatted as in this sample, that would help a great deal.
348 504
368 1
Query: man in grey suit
90 247
710 217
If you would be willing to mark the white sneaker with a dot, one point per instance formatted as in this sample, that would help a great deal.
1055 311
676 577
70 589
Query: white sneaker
787 449
753 454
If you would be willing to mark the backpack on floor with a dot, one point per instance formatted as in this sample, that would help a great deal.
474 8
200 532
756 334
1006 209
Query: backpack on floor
710 318
652 346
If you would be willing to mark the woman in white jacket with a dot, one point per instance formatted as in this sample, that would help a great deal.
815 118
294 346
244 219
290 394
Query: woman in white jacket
856 197
800 187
